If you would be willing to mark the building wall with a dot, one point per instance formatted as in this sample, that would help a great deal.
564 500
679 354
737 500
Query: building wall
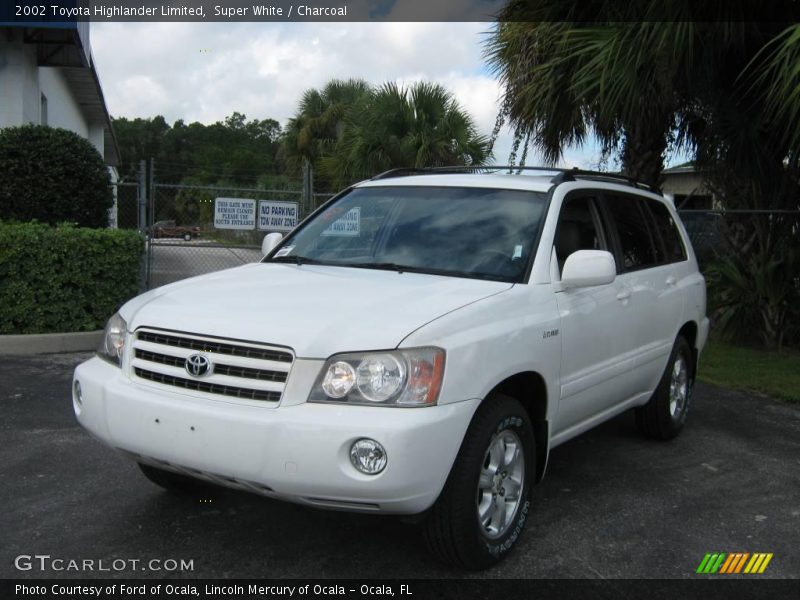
62 110
19 81
685 189
683 183
22 84
97 137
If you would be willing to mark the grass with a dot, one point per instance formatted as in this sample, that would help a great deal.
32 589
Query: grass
775 374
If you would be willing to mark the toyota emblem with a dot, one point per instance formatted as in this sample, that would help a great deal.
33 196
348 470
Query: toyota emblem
198 365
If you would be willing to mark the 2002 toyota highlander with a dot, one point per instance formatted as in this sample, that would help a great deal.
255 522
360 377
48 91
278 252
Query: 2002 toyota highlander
418 345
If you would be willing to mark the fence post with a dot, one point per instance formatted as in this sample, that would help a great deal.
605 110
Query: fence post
308 189
142 193
152 219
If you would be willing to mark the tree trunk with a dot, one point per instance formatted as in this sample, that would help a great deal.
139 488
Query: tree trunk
643 148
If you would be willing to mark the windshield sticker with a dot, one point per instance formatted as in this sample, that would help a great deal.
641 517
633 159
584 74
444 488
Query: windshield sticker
347 225
517 252
283 251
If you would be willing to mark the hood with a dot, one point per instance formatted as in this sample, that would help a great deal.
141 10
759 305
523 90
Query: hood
315 310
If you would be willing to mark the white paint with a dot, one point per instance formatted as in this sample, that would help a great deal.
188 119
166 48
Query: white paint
22 85
63 110
19 80
600 350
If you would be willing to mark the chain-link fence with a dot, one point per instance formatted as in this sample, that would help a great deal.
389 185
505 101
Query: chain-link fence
751 260
126 202
719 234
187 238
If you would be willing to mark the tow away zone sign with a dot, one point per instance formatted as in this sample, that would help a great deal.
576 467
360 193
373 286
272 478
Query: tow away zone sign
277 215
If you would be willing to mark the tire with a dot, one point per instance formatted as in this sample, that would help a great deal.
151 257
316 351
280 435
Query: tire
664 415
453 530
187 237
175 483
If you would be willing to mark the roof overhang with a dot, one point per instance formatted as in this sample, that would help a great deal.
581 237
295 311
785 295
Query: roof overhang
88 93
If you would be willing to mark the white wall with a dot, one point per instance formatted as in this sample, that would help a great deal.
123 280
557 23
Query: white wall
97 137
21 84
19 80
62 110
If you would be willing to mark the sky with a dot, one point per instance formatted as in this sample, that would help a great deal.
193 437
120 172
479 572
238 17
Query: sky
205 71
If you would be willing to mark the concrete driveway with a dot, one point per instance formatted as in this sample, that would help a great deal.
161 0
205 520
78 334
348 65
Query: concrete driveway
612 505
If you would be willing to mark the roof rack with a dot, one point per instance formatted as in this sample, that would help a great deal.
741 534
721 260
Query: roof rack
573 174
559 175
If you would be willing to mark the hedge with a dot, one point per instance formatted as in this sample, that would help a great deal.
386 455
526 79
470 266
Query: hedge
59 279
53 176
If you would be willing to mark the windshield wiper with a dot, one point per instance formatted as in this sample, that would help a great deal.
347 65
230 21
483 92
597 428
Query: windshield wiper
389 266
384 266
298 260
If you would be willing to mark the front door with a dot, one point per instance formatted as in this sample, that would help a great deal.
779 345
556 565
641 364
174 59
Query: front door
597 343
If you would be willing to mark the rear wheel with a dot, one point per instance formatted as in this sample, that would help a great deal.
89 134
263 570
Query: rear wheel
175 482
485 502
665 413
187 237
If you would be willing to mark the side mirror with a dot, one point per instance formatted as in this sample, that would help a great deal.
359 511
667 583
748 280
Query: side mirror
270 241
586 268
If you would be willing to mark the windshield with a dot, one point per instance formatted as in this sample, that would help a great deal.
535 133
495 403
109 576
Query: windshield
466 232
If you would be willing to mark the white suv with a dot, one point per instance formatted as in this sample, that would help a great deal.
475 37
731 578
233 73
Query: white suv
416 346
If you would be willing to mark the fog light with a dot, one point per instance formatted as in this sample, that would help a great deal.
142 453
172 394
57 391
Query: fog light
76 393
368 456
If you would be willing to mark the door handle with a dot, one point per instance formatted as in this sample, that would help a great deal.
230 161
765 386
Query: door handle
624 295
671 280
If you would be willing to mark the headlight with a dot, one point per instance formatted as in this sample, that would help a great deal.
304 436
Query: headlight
410 377
113 340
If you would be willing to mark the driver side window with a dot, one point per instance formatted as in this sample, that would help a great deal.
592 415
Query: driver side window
578 229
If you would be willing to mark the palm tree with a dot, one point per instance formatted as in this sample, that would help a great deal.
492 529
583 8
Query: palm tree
396 127
776 69
564 81
319 121
642 88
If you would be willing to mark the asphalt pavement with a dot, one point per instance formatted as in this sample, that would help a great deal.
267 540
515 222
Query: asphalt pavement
612 505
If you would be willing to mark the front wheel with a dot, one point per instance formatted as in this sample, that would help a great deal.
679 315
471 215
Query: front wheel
485 502
665 413
187 237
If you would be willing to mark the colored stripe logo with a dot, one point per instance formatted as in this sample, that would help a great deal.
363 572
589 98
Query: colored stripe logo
728 563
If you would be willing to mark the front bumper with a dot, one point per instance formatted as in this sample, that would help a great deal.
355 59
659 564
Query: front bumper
296 452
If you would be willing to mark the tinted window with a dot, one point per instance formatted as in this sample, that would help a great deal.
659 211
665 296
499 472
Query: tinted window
636 245
577 229
668 232
468 232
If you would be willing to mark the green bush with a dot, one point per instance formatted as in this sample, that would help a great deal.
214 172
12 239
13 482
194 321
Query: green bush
52 176
55 279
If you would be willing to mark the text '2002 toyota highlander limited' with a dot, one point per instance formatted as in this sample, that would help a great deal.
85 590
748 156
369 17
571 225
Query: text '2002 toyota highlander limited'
417 346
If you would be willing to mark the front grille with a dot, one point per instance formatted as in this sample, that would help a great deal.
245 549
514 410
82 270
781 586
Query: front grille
211 388
214 346
242 370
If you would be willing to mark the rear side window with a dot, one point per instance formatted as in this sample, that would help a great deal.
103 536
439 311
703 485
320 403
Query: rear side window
636 244
673 248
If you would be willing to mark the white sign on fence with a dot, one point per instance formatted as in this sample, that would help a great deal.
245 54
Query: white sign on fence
234 213
347 225
277 215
